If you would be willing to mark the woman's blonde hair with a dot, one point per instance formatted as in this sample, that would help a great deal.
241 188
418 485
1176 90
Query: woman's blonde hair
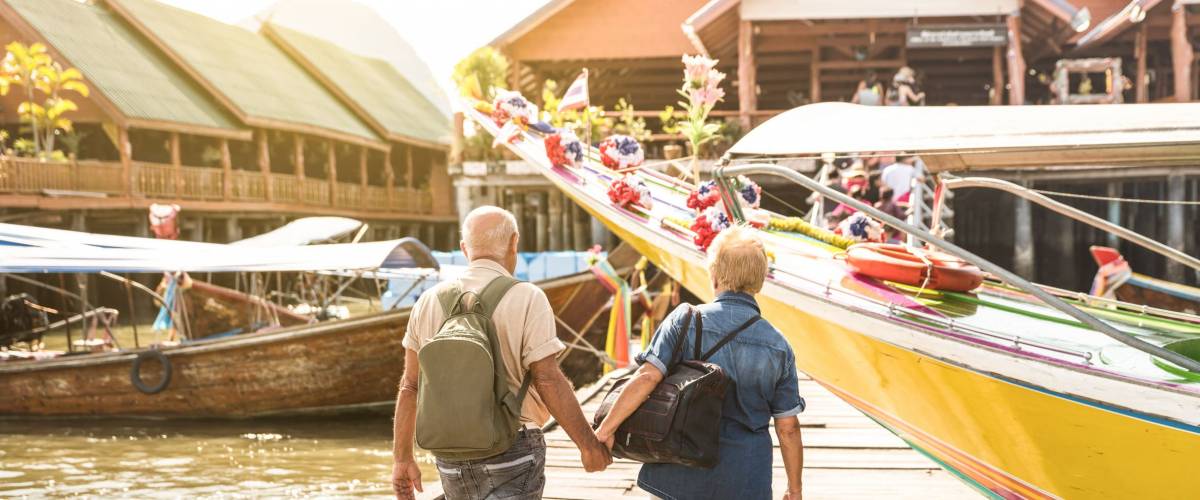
737 260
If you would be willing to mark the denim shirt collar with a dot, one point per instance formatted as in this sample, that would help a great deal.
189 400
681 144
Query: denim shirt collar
742 298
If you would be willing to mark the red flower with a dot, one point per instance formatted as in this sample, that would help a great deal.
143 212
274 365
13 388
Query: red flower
704 232
555 151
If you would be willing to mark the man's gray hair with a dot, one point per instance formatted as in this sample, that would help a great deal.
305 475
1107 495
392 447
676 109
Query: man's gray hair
487 230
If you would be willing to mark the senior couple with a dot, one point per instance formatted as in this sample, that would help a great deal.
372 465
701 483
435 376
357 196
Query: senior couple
759 360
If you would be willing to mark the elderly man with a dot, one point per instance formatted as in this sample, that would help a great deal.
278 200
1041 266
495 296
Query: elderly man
525 330
760 362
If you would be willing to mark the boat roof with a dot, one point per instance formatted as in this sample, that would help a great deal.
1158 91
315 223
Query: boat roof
958 138
29 249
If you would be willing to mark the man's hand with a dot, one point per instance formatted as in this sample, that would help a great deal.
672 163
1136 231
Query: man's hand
406 476
595 457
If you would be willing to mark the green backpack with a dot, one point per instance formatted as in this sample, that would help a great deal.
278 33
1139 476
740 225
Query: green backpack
464 408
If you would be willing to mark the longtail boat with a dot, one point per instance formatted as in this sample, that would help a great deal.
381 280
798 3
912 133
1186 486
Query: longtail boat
1020 390
330 367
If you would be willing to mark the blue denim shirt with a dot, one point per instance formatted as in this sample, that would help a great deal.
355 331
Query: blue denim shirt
763 368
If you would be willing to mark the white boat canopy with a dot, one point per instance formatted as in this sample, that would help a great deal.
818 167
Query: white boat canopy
305 231
959 138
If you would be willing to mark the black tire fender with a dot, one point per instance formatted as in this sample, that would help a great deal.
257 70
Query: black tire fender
135 373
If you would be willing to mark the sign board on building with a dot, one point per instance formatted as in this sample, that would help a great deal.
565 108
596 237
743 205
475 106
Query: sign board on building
958 35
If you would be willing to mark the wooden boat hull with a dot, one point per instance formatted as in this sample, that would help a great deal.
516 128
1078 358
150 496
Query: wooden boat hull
333 366
1001 434
1115 279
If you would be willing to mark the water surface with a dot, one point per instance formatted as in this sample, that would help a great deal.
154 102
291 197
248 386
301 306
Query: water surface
198 458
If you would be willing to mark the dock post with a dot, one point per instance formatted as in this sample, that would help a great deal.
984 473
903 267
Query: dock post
233 231
1016 61
1023 238
556 235
1182 55
1114 213
579 228
538 204
516 205
1176 190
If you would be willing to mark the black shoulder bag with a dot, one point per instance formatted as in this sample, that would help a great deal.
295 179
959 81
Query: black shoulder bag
680 422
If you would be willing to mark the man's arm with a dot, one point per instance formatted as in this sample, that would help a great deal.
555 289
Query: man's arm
632 396
791 446
406 475
556 392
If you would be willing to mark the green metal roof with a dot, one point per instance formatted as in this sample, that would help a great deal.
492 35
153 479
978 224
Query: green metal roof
374 85
257 77
121 65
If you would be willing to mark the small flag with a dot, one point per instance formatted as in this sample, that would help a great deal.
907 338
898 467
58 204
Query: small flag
577 94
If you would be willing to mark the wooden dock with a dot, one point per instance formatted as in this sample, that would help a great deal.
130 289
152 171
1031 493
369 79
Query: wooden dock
846 455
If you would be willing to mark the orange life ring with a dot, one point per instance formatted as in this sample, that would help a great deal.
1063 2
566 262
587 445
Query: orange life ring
929 269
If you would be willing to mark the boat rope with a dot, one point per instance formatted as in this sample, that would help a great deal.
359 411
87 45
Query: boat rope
1114 198
587 346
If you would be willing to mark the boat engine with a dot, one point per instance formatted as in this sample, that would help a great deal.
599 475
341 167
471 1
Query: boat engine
20 315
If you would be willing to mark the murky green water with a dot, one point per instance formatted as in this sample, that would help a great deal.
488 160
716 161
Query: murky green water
293 458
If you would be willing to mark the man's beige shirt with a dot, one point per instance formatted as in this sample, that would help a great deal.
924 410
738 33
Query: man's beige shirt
524 324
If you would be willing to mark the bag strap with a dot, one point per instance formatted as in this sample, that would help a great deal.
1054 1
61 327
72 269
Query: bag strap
494 291
699 335
727 338
450 298
678 350
490 297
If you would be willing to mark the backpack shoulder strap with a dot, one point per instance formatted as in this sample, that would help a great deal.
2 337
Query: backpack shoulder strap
727 338
678 350
494 291
699 335
450 297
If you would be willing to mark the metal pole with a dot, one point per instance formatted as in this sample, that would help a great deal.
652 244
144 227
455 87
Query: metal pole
133 319
1077 214
984 264
916 200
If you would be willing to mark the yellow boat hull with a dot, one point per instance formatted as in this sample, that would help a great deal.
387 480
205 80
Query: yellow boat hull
1003 437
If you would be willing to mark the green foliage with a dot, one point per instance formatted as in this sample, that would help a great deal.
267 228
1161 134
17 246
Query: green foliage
71 140
481 73
32 68
628 124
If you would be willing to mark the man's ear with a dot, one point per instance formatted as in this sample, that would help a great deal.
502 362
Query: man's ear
462 245
514 243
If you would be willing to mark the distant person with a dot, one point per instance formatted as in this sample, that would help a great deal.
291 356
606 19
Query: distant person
870 91
525 331
903 91
899 178
855 183
887 204
763 368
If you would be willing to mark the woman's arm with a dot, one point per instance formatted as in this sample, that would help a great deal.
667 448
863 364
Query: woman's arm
632 396
791 446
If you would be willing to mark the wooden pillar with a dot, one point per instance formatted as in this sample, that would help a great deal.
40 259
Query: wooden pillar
1114 213
226 170
747 75
460 140
1141 92
579 228
514 75
1181 53
1023 239
408 162
516 205
997 97
1016 61
331 169
177 163
125 150
362 168
233 230
264 163
814 77
538 204
389 177
1176 234
555 210
298 156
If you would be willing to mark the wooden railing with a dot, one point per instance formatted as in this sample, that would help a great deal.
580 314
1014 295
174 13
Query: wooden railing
160 181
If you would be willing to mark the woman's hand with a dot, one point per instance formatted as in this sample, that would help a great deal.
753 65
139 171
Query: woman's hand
605 437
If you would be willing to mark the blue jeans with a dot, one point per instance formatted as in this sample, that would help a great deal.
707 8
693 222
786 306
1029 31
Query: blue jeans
517 473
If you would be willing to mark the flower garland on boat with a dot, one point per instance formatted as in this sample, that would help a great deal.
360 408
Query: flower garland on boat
621 152
862 229
514 114
630 191
564 149
708 225
801 226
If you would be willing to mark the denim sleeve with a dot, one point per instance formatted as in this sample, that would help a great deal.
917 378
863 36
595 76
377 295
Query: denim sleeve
787 401
665 339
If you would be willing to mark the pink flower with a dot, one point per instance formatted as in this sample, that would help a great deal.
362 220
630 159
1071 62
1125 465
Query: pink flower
696 68
715 77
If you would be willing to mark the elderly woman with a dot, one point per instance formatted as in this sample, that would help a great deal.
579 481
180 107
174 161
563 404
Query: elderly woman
760 362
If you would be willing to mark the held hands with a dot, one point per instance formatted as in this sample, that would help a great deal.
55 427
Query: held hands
793 494
406 476
595 455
